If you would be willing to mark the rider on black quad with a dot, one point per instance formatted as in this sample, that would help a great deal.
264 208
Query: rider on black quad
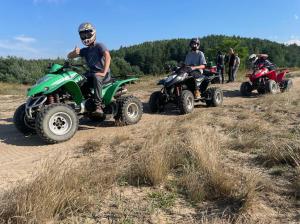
196 60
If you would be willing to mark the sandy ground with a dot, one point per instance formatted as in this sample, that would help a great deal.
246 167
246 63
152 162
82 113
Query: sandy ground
20 156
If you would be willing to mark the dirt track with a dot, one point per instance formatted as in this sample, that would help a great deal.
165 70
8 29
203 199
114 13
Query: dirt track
19 155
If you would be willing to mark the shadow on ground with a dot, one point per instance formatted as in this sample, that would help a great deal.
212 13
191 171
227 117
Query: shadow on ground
237 93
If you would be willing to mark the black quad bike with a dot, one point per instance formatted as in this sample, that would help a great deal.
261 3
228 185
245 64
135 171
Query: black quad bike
179 88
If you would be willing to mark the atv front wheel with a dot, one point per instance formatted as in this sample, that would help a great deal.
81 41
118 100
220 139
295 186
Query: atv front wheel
216 95
155 102
186 102
271 86
56 123
246 89
21 122
130 110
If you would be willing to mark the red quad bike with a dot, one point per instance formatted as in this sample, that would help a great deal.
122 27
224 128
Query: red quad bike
265 81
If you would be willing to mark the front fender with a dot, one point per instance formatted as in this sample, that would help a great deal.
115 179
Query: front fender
109 91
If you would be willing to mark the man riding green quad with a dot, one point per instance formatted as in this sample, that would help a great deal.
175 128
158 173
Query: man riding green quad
57 100
97 58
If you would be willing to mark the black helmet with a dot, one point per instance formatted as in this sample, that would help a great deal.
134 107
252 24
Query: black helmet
195 44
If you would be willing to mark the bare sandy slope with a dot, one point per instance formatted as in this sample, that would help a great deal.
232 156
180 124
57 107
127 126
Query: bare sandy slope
20 156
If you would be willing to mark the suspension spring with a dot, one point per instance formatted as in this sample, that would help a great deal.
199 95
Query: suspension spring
50 99
57 98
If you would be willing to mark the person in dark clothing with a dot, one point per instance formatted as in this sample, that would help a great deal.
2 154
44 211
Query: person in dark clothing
220 62
231 63
98 59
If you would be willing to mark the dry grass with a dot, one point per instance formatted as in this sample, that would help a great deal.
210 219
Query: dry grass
59 190
189 152
296 183
12 89
211 158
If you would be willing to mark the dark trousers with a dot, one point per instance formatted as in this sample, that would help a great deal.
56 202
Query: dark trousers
230 74
201 87
95 82
220 70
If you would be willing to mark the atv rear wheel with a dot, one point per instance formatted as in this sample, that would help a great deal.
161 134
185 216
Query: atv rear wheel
186 102
56 123
261 90
130 110
287 85
271 87
155 104
216 95
246 89
21 121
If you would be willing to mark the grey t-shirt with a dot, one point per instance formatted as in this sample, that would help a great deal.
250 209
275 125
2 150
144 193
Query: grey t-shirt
94 56
237 62
195 58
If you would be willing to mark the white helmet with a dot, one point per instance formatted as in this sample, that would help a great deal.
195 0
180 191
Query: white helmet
87 33
253 58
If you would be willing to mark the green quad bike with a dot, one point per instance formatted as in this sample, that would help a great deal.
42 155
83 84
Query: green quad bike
58 99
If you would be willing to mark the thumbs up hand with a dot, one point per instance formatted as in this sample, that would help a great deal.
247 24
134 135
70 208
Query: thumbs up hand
77 50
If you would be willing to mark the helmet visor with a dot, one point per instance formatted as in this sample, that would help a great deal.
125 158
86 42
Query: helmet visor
87 34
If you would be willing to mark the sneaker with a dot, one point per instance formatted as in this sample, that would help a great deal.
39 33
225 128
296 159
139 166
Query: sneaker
197 94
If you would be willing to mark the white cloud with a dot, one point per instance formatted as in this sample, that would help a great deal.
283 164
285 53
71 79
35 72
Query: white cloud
16 46
21 46
296 17
25 39
294 41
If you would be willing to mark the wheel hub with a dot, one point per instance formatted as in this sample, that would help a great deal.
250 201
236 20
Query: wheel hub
132 110
218 97
60 123
189 102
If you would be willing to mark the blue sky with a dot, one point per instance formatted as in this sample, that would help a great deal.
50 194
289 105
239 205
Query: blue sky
48 28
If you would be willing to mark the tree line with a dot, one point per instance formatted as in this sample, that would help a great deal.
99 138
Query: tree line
151 58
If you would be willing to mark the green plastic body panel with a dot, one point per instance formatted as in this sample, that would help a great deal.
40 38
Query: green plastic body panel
51 82
69 81
108 91
55 68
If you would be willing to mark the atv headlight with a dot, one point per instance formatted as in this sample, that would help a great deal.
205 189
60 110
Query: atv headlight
181 77
170 78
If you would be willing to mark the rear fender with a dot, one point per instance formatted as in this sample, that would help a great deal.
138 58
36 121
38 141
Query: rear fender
110 90
281 75
272 75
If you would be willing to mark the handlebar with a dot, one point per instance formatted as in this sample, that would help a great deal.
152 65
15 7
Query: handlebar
67 64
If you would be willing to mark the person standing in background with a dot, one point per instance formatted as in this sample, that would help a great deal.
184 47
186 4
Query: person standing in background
236 66
220 62
231 62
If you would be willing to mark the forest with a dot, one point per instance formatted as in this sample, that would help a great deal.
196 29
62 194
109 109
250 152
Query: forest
151 58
